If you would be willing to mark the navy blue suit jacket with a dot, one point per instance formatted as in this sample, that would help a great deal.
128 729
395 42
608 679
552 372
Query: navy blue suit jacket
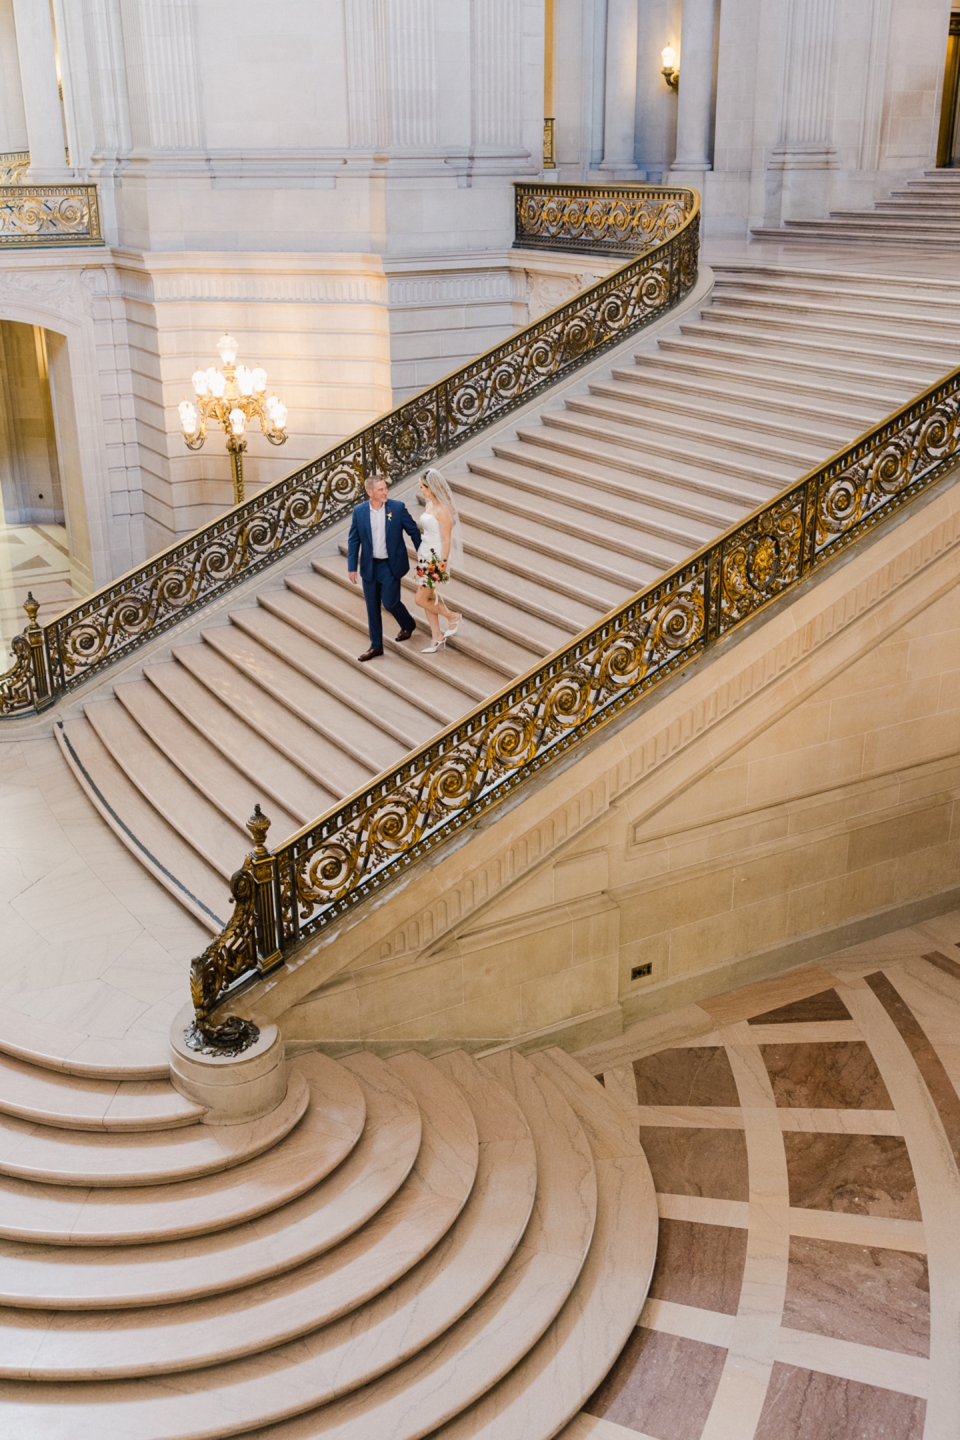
360 540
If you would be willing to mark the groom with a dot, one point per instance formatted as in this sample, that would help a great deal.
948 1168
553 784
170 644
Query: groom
376 536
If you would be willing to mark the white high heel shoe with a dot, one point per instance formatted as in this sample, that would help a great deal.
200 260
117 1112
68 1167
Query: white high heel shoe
437 645
452 629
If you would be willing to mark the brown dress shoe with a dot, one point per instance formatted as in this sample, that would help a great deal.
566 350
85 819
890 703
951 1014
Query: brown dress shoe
404 634
372 653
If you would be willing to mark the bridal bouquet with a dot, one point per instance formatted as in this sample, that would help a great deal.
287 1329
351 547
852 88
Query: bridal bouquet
432 572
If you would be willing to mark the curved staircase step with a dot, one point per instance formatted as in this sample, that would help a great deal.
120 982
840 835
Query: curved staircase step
239 1396
40 1153
563 1369
492 1337
82 1278
173 1338
65 1215
46 1097
156 842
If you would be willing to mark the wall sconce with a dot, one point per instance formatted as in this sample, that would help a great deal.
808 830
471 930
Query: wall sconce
671 71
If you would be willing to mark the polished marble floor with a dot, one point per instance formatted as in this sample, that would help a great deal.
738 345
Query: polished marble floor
34 558
804 1140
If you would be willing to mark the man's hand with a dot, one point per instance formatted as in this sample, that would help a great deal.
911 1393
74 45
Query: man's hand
352 576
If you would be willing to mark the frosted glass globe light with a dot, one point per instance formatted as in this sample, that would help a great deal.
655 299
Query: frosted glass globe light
669 57
277 412
238 422
244 380
199 378
228 348
216 382
188 417
259 379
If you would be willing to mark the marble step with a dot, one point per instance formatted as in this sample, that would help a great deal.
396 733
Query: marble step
571 1358
643 451
653 504
543 546
49 1214
564 604
414 1399
364 743
262 762
508 607
757 381
398 1117
249 1393
40 1153
756 409
832 232
915 297
333 770
743 359
195 882
936 349
280 1305
492 487
918 317
32 1093
630 422
225 785
795 349
482 661
182 804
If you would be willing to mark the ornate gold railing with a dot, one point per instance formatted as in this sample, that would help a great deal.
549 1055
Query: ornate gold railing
615 220
347 855
13 166
106 626
32 215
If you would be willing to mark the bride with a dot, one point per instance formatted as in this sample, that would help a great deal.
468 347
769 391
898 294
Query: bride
440 550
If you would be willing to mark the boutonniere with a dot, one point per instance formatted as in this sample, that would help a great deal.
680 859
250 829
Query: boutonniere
389 514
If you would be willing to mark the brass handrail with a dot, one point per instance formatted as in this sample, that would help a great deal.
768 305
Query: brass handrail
341 859
104 627
49 215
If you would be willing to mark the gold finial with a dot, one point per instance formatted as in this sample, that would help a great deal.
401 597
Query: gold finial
31 606
258 825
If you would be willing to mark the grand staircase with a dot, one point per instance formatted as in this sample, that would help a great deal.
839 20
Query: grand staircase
925 212
405 1247
606 487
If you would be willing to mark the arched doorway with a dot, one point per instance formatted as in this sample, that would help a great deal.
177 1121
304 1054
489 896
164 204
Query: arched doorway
44 546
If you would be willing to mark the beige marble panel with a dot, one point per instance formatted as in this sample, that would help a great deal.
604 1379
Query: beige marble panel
891 1370
764 995
620 1085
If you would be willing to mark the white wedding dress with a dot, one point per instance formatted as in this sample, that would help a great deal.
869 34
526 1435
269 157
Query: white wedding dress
432 542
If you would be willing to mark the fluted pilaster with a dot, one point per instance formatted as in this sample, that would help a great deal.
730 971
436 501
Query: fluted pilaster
496 81
412 71
806 114
165 83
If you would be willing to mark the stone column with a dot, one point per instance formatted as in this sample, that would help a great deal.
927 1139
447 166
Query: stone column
620 95
696 87
41 96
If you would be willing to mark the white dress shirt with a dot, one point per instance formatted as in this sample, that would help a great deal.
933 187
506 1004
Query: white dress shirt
378 528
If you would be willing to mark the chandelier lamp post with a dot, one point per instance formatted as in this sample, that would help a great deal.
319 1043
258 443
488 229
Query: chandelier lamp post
233 397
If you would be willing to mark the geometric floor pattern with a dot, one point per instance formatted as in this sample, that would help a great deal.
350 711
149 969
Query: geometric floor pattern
36 558
806 1154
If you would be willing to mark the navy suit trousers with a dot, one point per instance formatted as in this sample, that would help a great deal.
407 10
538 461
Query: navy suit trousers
384 590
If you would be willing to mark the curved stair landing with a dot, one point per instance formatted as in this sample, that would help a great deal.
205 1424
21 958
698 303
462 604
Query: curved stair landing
449 1246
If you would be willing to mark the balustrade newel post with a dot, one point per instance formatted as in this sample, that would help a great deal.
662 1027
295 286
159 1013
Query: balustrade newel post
40 673
266 876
